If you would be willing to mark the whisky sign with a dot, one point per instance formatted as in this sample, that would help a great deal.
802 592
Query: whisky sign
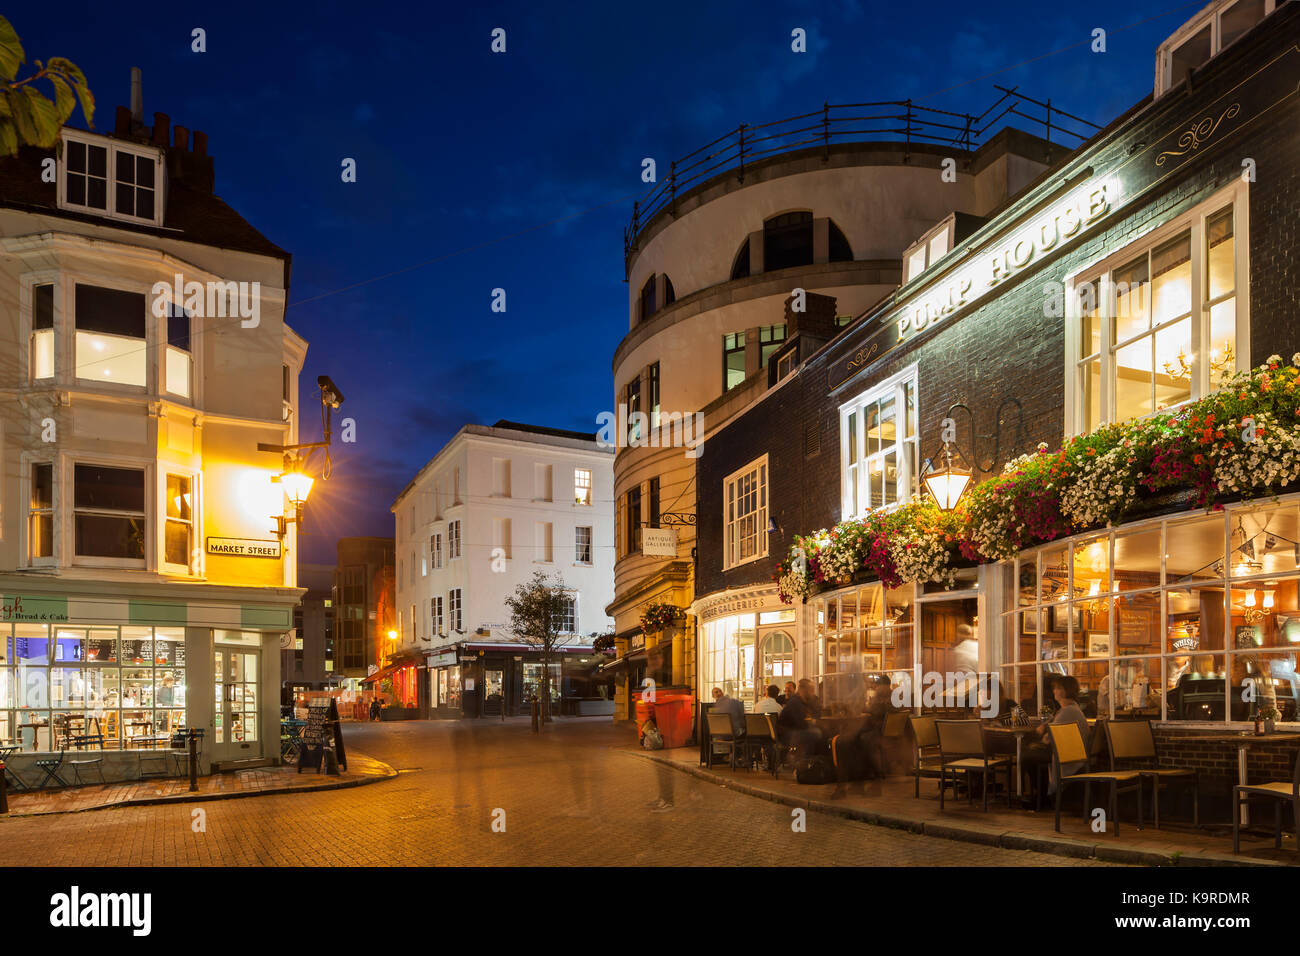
244 547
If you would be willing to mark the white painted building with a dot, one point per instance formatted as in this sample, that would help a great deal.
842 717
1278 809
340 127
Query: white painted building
492 507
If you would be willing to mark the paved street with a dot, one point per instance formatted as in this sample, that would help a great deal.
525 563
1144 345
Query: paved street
569 797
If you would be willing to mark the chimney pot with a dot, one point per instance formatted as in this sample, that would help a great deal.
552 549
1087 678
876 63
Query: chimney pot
200 143
181 138
137 95
161 123
122 121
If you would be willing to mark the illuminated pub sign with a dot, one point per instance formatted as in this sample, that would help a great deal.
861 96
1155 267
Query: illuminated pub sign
244 547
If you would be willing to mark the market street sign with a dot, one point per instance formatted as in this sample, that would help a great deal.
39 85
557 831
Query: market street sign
244 547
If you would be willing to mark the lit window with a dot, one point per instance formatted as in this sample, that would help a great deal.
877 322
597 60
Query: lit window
109 518
40 524
179 531
110 335
1143 325
180 360
878 439
42 343
745 514
582 545
582 486
1205 36
733 360
770 338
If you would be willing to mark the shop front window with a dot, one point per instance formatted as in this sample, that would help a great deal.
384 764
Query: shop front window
65 681
1181 619
863 633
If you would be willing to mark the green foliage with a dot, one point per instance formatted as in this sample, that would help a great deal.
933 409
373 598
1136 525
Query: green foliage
536 609
27 116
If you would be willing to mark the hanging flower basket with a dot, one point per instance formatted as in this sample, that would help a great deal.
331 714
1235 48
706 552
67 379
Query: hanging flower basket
660 617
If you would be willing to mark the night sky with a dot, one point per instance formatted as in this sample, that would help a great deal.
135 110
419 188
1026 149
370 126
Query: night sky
466 159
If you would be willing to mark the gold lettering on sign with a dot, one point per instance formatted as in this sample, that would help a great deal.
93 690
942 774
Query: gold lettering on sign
1198 133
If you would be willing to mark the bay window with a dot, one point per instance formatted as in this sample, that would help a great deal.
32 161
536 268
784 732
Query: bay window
878 446
1158 324
40 521
108 512
178 538
745 514
42 340
180 358
110 339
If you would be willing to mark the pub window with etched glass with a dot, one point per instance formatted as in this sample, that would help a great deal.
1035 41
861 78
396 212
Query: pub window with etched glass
745 514
1160 323
878 442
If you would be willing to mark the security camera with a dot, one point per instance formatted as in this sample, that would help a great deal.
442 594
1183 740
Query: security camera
329 392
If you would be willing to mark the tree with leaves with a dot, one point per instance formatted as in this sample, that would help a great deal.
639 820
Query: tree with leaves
27 116
537 611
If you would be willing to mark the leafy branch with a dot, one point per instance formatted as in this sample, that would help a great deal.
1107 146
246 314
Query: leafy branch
27 116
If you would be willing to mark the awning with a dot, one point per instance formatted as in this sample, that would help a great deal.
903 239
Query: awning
621 663
385 671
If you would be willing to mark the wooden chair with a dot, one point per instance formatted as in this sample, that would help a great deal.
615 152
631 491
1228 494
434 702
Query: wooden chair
926 758
1279 790
1068 747
760 735
963 750
721 736
1132 740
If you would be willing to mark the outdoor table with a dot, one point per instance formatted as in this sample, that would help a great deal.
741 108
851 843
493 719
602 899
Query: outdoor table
1021 733
1243 741
5 754
151 739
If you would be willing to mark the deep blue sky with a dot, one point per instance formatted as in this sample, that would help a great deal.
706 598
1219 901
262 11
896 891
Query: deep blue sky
457 146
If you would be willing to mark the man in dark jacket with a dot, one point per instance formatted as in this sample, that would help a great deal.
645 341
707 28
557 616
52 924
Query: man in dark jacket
795 722
858 752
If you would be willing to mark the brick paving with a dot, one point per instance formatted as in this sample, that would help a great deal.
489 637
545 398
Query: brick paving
574 796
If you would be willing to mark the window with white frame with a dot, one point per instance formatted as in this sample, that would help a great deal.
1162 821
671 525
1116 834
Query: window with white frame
110 335
1204 36
40 512
108 512
878 446
929 249
109 177
454 610
42 340
582 545
567 620
435 549
435 612
582 486
744 501
180 358
453 540
1159 323
178 531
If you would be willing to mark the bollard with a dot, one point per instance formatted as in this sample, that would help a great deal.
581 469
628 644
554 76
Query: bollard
4 799
536 710
194 763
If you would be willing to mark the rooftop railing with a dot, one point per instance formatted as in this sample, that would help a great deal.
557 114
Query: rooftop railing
899 121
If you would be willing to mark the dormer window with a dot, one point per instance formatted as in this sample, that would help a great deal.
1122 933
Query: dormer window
101 175
1204 37
929 249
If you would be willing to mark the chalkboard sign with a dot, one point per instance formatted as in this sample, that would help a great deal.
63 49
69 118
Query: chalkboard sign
322 730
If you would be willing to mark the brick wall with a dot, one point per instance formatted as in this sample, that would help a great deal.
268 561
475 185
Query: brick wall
1005 348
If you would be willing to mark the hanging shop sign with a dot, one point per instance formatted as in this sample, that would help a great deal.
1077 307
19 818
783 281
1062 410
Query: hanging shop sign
244 547
659 542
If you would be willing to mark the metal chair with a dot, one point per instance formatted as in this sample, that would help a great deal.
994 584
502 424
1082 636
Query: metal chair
52 766
1133 740
963 750
721 736
1068 747
16 780
89 763
1279 790
760 735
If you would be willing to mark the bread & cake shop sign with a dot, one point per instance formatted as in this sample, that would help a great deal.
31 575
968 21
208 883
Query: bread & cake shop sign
244 547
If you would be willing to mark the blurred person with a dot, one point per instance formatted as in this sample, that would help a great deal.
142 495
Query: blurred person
770 702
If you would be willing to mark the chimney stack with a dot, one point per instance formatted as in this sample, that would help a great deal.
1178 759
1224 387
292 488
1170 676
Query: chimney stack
137 96
161 126
181 138
200 143
122 121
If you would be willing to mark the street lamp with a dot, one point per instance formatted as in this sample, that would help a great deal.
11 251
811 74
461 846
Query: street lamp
297 486
297 483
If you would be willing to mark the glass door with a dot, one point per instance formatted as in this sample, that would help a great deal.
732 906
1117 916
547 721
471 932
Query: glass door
236 718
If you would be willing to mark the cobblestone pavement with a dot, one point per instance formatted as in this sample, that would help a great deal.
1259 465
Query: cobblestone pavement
568 797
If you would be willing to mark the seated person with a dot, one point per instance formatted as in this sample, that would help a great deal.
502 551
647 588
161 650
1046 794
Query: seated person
1064 690
770 703
795 721
722 704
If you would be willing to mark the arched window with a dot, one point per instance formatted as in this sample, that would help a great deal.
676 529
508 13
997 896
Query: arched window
776 661
648 307
740 268
840 250
669 295
788 241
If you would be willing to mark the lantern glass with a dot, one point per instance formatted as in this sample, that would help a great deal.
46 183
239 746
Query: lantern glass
947 486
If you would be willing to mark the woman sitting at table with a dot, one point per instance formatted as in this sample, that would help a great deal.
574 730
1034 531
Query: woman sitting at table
1065 690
